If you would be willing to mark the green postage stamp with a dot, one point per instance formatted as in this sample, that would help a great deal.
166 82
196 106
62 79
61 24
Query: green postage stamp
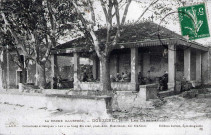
193 21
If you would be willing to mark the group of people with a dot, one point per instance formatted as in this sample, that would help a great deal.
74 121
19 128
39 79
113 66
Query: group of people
123 77
126 77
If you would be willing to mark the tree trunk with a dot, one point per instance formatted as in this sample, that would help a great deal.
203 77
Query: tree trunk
41 78
1 78
24 75
105 75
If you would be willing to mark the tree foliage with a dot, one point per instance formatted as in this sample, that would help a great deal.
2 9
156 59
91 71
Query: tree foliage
33 27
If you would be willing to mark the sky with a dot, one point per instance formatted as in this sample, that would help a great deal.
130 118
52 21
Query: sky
137 7
135 11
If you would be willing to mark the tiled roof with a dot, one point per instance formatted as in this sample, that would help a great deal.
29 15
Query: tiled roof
132 35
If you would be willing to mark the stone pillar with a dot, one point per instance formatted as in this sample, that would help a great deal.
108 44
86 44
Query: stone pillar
205 67
94 67
53 69
134 67
198 67
187 64
171 66
76 66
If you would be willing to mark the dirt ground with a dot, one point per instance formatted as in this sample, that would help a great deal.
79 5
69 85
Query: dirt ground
173 108
169 109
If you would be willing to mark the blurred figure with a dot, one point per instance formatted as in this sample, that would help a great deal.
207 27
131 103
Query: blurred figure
164 81
118 77
85 77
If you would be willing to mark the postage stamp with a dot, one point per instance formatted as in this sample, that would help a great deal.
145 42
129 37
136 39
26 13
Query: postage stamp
193 21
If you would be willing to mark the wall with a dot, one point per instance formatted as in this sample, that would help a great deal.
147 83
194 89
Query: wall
129 100
193 65
179 64
205 67
12 74
100 105
31 72
154 65
150 59
120 59
66 65
95 86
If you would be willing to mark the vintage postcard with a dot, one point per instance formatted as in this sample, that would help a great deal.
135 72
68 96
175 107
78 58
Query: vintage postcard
99 67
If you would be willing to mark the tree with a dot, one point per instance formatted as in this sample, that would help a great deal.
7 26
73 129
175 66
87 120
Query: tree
114 11
35 27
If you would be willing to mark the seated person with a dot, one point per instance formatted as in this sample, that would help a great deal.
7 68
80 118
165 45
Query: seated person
122 77
91 78
84 77
127 76
112 78
59 82
140 78
164 81
118 77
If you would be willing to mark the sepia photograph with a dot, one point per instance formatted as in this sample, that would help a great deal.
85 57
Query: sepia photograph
105 67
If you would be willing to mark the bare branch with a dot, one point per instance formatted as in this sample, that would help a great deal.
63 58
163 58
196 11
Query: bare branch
18 41
90 29
53 24
119 8
109 23
53 33
146 10
92 11
104 10
116 5
125 12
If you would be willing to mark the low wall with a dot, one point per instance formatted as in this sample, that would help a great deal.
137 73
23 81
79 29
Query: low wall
123 86
129 100
120 86
149 91
98 106
87 86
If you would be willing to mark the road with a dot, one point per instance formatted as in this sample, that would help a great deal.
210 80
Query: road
177 112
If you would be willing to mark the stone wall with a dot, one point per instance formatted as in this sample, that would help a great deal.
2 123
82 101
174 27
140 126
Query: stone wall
129 100
121 86
96 106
